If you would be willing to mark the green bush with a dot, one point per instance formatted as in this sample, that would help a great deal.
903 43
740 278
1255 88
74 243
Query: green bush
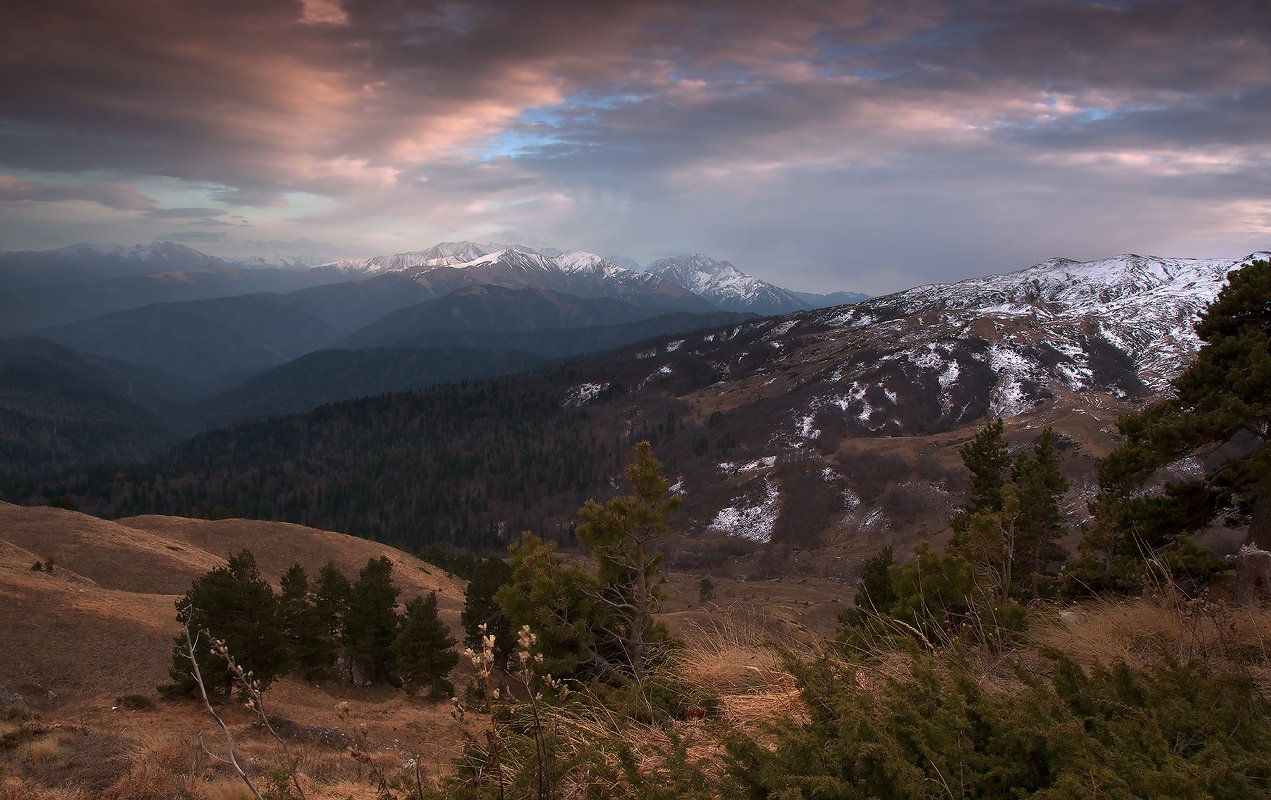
937 600
658 698
1172 730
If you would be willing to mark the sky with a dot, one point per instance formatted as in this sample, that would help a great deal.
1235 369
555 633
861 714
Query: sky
861 145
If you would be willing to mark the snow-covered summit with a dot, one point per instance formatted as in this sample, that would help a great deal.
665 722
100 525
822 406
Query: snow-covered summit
1063 286
439 255
726 286
1142 306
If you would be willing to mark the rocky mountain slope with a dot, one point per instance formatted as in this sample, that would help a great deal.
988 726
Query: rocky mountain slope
1062 343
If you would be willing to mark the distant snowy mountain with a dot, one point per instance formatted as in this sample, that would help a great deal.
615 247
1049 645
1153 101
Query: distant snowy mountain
625 262
719 283
1143 306
517 267
726 286
445 254
155 253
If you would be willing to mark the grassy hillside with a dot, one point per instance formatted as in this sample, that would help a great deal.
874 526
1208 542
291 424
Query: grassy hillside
102 622
82 640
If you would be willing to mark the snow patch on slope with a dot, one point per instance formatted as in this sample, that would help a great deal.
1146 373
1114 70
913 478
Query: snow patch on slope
582 394
749 519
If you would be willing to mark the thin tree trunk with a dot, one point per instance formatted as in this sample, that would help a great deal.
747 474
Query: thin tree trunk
641 610
1260 527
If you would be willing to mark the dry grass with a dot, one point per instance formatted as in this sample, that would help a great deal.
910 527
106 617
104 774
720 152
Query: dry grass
101 625
278 545
42 750
46 748
114 638
1139 631
146 781
739 654
224 789
18 789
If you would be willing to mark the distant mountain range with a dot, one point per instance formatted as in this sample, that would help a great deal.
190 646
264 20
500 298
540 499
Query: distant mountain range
223 334
826 430
718 282
57 287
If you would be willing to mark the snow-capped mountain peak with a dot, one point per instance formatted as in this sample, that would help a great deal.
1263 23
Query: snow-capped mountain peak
717 283
444 254
579 261
726 286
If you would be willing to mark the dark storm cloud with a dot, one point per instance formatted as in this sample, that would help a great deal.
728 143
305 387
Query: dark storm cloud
780 135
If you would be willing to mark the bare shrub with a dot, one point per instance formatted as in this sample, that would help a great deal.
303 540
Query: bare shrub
45 749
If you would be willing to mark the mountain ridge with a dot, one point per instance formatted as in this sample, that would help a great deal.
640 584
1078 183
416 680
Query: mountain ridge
829 431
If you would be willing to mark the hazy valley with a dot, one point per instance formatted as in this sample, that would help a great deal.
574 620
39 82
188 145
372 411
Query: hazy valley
820 431
427 404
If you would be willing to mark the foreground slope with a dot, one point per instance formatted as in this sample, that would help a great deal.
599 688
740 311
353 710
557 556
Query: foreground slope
102 621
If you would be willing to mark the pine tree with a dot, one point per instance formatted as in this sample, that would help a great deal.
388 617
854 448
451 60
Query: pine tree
331 607
705 590
1010 528
599 625
481 608
422 651
1041 485
371 623
311 649
987 460
235 604
1221 408
874 592
622 535
558 601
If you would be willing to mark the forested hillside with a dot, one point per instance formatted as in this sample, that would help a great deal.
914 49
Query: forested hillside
441 467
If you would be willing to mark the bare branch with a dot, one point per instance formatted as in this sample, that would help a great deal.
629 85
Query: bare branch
229 738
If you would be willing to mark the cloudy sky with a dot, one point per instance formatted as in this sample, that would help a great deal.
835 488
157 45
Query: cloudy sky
864 144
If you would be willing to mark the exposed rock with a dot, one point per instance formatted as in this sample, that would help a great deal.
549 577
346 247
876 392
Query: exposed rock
1253 578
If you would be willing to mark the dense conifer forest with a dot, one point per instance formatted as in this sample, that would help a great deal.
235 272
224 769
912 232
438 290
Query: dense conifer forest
466 465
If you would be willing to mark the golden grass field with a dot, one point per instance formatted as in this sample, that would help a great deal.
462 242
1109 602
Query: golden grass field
100 627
